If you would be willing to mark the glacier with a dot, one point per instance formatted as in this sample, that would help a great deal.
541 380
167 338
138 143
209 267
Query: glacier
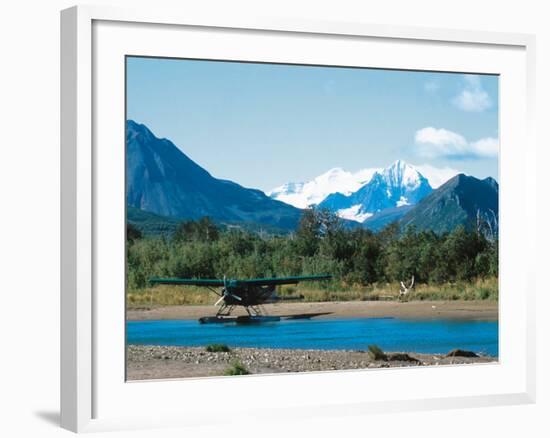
336 180
358 195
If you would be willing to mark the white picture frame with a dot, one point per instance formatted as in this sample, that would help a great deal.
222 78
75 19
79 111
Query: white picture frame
93 395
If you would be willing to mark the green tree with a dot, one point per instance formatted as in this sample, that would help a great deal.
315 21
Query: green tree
132 232
322 244
203 230
308 233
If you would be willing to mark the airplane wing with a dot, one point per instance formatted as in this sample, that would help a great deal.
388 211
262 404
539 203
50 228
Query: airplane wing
285 280
188 281
256 281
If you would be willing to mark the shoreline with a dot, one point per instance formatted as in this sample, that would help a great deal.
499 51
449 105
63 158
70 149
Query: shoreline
166 362
457 310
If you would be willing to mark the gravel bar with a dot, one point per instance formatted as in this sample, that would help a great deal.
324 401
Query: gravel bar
162 362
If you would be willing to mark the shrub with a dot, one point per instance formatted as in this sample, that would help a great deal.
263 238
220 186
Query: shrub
376 353
236 369
218 348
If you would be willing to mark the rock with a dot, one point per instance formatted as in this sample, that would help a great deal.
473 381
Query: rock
461 353
403 357
283 360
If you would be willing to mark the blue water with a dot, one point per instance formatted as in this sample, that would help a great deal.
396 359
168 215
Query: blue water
391 334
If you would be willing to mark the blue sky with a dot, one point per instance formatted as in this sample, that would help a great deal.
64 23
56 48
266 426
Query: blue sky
262 125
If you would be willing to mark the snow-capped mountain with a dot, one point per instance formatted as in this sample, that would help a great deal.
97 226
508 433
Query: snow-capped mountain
304 194
398 185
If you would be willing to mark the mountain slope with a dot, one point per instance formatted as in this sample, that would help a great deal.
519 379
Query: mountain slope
385 217
151 223
457 202
398 185
163 180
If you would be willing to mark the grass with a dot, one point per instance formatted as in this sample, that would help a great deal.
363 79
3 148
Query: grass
236 369
217 348
168 295
376 353
481 289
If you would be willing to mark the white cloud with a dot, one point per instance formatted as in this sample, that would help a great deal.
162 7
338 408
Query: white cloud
433 143
440 137
437 176
472 97
486 147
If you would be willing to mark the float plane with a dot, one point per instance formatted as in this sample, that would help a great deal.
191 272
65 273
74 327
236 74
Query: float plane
250 294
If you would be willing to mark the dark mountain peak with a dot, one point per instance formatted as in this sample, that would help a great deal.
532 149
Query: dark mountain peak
459 201
462 179
492 182
456 180
134 129
130 124
161 179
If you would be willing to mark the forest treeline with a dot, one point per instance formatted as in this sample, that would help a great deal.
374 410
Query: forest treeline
320 245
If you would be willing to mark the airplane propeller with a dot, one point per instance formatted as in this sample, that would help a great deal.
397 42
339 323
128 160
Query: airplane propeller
226 293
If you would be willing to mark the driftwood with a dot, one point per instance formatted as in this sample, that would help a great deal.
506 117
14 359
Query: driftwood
406 289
